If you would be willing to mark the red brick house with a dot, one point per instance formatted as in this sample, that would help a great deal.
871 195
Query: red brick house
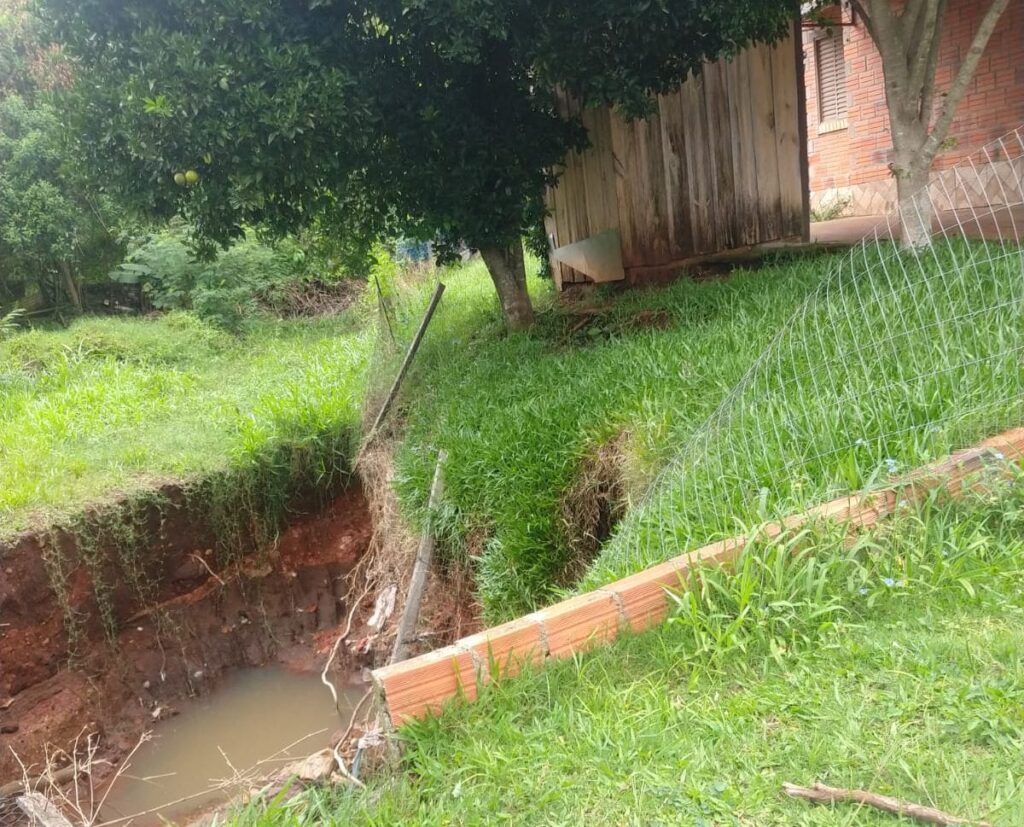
849 147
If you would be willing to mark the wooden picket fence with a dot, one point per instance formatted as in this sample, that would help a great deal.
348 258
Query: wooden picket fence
422 685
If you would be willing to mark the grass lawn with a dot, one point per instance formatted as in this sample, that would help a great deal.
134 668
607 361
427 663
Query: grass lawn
109 407
893 363
897 665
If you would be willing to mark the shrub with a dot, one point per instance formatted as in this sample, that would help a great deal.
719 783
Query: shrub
224 291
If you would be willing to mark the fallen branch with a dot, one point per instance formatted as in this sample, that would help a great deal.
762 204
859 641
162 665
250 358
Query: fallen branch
822 794
54 778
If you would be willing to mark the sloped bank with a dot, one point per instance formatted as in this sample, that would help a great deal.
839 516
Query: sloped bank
422 686
103 631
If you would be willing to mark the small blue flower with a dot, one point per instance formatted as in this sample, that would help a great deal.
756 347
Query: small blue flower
999 456
860 442
891 465
862 590
889 581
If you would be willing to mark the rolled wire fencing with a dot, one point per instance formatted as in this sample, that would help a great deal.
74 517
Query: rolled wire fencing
900 355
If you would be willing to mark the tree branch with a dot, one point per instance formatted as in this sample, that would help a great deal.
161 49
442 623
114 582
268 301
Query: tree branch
910 19
964 76
920 57
883 30
822 794
928 87
860 11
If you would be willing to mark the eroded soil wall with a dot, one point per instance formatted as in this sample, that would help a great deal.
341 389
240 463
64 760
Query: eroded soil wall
74 662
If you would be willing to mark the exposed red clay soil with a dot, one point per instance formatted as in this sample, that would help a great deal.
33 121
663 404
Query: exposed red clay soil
198 622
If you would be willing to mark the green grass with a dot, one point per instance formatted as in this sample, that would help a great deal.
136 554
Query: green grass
518 414
897 666
109 407
893 362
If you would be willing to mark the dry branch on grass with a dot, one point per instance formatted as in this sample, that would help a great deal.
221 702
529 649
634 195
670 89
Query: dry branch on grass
823 794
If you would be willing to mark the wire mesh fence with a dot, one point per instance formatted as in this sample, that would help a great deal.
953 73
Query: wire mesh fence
898 356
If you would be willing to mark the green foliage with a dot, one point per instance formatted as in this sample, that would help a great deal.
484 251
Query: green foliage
896 666
27 65
518 414
831 210
431 120
233 286
53 231
942 374
9 323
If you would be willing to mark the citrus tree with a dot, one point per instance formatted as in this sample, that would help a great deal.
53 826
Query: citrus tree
431 118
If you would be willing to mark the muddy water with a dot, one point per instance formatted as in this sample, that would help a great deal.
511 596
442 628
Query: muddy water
245 724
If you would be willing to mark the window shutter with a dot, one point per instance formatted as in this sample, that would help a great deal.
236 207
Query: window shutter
831 78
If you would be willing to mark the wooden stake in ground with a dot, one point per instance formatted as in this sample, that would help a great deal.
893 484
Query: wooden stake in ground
414 345
418 581
822 794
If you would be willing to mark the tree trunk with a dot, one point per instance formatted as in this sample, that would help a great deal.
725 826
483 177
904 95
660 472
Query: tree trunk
508 272
915 205
74 293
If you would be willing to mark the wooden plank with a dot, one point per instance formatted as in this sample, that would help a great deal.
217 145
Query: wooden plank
741 120
695 117
677 188
762 104
640 187
801 111
716 102
563 199
787 134
599 172
551 231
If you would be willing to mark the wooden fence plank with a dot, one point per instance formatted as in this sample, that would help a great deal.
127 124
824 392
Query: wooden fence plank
720 166
673 147
699 193
787 133
766 152
741 119
716 102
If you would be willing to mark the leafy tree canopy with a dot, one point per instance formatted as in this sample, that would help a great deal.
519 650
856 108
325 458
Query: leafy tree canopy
51 230
432 117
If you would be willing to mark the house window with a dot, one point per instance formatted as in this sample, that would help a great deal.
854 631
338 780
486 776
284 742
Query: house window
831 65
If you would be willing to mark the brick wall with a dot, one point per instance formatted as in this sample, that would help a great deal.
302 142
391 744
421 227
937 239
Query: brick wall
851 162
